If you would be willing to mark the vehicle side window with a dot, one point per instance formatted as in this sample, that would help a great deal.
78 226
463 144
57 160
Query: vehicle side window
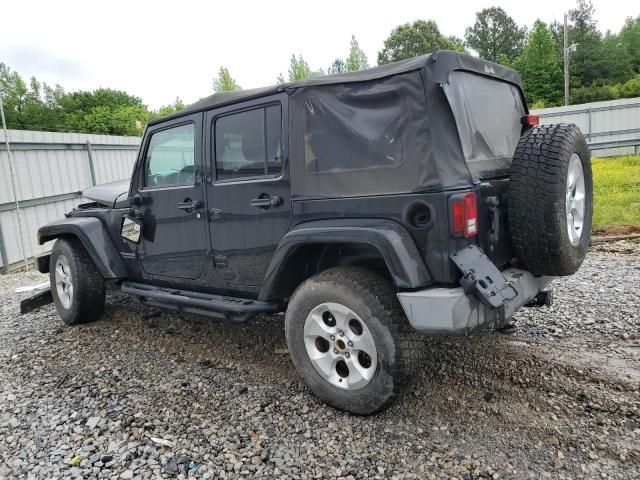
249 144
170 157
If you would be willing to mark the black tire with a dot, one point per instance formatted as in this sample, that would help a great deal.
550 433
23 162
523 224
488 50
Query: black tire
537 208
375 302
86 300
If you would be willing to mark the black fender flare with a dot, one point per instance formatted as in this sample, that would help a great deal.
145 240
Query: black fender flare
396 246
94 237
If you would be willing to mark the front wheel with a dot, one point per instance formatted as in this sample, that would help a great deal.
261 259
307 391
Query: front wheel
345 331
77 286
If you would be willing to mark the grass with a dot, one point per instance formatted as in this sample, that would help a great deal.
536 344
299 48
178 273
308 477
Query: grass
616 191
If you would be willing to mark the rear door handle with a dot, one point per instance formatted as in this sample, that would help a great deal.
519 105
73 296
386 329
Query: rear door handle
266 201
189 205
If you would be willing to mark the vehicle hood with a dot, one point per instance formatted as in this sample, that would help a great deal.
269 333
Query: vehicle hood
112 195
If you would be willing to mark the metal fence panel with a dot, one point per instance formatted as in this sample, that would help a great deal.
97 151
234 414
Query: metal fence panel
112 165
32 219
43 173
611 127
51 168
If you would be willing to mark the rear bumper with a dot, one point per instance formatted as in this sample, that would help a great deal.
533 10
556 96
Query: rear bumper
451 311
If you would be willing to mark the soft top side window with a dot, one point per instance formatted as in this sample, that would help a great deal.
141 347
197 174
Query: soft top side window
249 143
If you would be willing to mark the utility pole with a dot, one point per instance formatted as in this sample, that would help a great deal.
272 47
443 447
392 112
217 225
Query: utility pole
566 61
12 171
567 51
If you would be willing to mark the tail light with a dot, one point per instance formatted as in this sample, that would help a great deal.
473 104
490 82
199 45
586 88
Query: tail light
464 214
530 120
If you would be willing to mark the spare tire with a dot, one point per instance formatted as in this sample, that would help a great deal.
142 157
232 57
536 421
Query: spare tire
550 199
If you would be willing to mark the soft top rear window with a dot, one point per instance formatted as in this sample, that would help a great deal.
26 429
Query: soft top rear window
487 113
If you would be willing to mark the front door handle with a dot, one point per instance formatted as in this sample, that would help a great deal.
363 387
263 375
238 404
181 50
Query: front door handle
190 205
266 201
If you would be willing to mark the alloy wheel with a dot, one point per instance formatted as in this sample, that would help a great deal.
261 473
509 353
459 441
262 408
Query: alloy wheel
340 346
64 282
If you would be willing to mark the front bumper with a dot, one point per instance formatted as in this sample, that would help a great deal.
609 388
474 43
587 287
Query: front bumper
451 311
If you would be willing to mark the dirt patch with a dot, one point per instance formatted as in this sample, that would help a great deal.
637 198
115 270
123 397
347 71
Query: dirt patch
617 230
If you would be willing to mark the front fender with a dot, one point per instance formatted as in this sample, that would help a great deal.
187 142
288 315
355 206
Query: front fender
95 239
397 248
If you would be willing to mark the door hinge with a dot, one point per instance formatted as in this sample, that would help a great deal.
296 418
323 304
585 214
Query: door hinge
214 213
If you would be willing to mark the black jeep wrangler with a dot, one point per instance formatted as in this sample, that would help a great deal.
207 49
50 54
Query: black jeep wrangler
418 196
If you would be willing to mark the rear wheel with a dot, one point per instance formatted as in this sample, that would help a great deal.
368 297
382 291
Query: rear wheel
550 199
345 331
77 286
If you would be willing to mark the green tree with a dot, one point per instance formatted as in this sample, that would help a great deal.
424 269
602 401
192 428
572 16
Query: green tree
88 111
37 106
298 68
539 67
598 60
224 82
630 41
15 96
357 59
338 66
557 32
28 106
172 108
628 89
86 100
410 40
121 120
456 44
495 35
616 63
586 63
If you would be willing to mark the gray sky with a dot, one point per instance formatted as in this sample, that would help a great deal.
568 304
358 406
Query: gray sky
160 50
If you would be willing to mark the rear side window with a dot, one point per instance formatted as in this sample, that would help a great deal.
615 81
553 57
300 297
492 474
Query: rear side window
249 143
170 157
487 113
358 130
361 138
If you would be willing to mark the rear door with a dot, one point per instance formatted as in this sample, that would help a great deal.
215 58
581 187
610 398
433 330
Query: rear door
171 200
248 188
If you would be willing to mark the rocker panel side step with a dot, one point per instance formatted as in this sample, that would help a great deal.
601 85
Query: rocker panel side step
232 308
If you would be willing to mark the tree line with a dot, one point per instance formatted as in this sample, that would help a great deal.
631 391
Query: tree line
35 105
604 66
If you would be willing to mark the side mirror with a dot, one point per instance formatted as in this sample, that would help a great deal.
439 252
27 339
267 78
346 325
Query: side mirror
136 201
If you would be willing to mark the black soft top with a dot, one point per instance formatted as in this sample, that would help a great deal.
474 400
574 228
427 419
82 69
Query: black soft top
439 63
438 121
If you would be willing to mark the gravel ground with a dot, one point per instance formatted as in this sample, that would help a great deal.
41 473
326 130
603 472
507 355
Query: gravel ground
144 394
